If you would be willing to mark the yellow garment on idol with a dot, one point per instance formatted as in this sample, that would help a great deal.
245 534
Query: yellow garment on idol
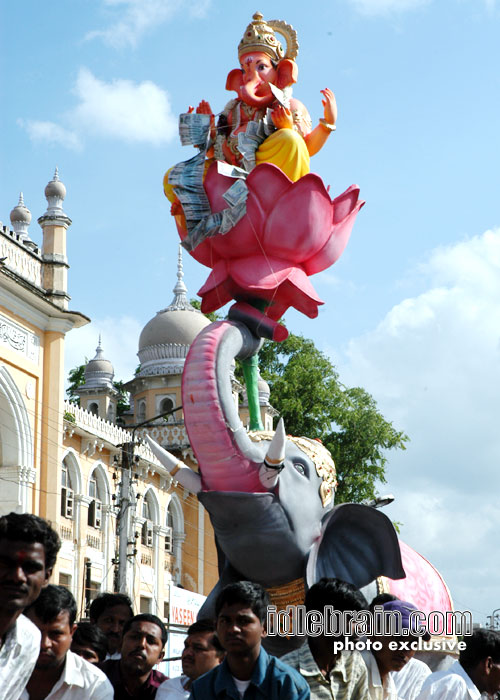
286 149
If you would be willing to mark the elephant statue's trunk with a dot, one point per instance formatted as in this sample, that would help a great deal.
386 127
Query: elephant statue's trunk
228 459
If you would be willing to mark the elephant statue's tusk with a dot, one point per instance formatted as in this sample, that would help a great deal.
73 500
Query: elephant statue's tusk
177 469
273 461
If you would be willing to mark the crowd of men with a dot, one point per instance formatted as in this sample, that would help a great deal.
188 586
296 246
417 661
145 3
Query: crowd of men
46 655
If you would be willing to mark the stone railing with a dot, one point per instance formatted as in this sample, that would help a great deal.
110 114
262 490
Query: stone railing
146 559
18 259
97 426
94 541
168 435
66 532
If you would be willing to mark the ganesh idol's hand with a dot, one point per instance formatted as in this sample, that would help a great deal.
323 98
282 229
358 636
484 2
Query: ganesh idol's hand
329 106
319 136
204 108
282 118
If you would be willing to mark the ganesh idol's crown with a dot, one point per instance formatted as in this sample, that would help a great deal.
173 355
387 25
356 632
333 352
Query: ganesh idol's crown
259 36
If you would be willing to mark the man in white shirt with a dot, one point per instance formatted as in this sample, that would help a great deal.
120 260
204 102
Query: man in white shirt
202 652
60 674
28 552
408 682
477 671
390 653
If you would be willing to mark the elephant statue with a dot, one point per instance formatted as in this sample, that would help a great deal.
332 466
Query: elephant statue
270 497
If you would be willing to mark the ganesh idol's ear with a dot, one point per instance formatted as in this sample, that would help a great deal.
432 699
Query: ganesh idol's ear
288 72
234 79
357 544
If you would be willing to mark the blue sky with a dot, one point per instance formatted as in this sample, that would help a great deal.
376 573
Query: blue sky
411 312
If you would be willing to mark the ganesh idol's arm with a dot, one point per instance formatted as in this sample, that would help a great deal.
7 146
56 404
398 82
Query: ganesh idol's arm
319 135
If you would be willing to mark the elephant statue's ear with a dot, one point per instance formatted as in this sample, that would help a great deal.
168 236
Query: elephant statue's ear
357 544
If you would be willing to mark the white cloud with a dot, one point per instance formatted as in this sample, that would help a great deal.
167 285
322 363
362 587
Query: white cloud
119 109
49 132
134 18
119 341
136 112
386 7
433 365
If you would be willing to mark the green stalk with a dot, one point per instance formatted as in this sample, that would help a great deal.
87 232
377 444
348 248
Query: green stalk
251 374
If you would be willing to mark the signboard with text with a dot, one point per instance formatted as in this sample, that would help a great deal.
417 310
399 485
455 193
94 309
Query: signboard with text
184 606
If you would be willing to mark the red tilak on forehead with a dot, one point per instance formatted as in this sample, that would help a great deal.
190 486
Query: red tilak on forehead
22 555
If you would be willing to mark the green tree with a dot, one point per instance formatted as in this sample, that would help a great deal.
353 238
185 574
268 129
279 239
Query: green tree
122 403
307 392
76 377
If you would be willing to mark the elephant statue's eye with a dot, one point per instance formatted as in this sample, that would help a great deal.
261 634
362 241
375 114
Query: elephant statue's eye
300 468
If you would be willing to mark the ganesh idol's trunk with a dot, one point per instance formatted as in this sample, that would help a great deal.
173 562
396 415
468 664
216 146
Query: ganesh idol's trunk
229 460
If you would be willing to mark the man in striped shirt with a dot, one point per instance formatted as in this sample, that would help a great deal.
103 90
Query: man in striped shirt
331 674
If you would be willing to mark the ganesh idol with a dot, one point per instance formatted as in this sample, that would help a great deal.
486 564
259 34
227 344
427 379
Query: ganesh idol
263 84
247 205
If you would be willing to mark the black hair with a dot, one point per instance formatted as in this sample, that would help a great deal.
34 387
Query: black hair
207 625
104 601
147 617
247 592
339 594
89 635
52 601
382 598
26 527
481 644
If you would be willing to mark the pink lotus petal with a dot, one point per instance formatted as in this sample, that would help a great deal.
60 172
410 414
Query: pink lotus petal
300 223
267 183
242 239
335 245
345 203
275 281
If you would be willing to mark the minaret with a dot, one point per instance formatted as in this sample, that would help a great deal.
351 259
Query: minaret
98 395
54 225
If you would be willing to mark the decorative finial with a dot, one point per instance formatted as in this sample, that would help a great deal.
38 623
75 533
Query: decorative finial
20 219
180 290
180 270
55 192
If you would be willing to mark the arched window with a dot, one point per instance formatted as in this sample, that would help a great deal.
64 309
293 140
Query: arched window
93 408
147 526
67 491
169 537
95 506
170 516
166 405
141 410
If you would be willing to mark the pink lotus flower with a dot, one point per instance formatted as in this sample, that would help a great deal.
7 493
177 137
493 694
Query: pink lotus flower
291 230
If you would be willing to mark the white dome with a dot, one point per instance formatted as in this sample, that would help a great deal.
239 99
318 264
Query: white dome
99 372
55 192
173 326
20 213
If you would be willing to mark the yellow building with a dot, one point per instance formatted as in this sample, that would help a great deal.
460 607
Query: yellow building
70 463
